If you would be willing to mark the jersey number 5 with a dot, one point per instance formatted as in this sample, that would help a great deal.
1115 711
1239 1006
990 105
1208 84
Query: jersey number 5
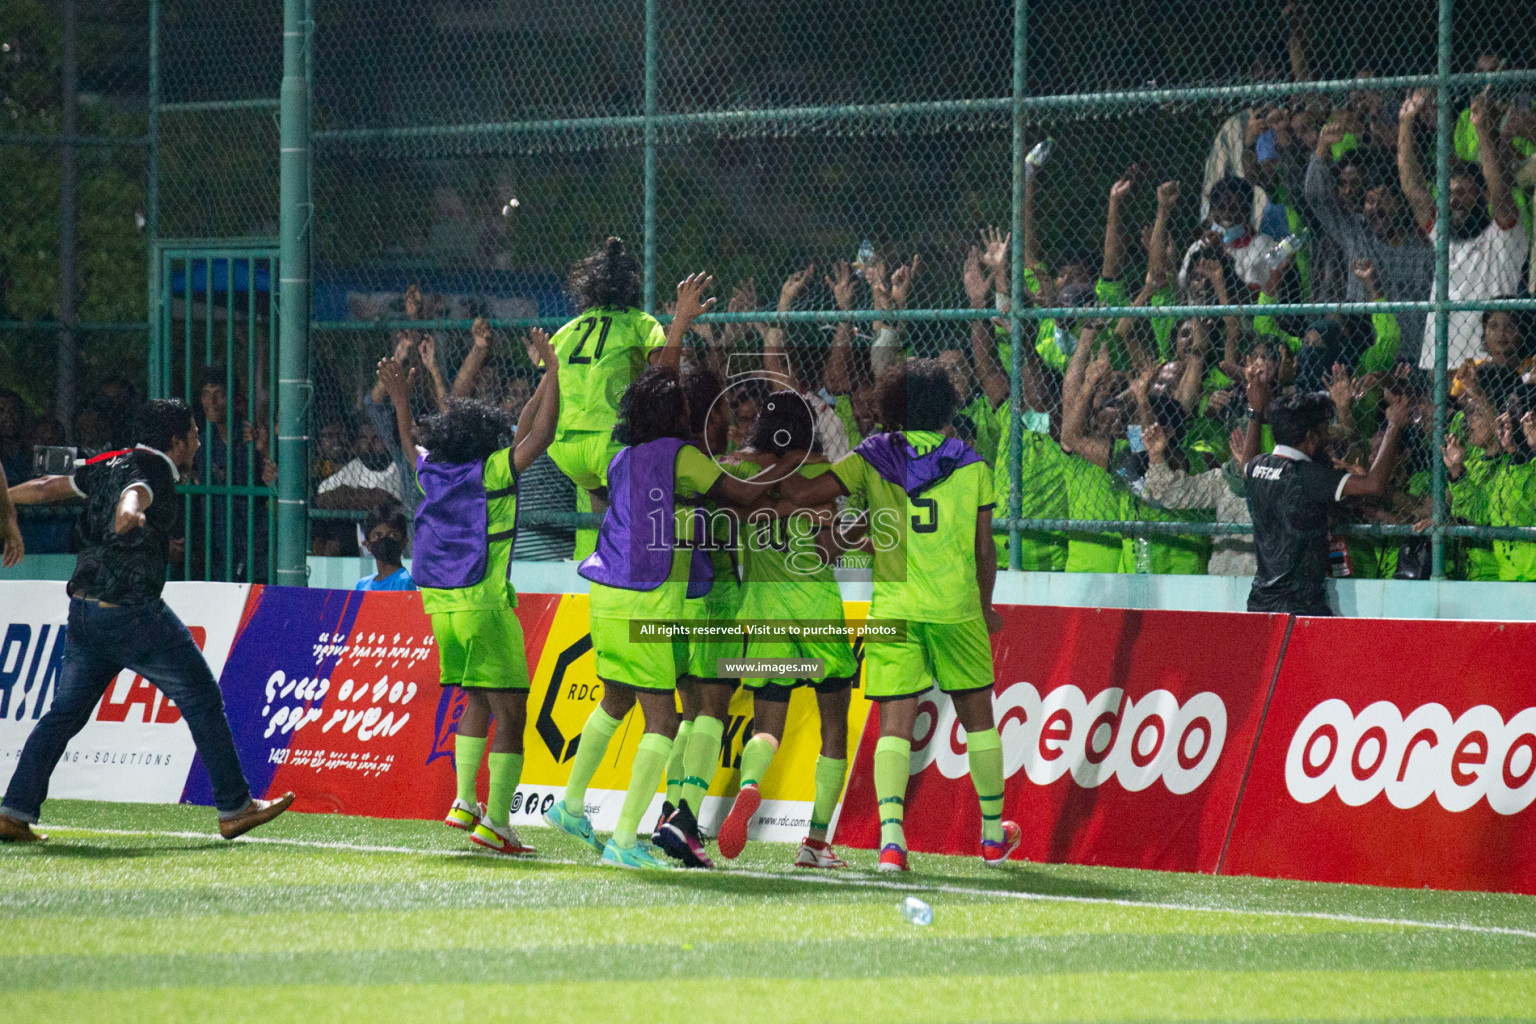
590 324
932 508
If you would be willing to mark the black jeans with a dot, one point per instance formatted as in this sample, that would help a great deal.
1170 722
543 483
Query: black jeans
101 642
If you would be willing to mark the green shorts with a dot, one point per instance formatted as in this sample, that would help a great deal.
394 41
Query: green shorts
958 655
481 648
644 666
840 666
584 457
704 654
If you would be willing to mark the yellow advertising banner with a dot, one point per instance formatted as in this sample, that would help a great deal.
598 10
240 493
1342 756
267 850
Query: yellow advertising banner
565 690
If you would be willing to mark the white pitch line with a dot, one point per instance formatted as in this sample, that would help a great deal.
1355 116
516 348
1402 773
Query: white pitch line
846 880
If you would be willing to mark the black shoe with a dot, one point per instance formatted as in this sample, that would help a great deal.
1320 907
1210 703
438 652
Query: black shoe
667 810
679 837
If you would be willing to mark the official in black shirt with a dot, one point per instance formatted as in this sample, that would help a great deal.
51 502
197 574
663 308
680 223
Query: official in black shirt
117 620
1290 497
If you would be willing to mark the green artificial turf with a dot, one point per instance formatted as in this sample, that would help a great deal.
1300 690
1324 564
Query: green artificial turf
137 912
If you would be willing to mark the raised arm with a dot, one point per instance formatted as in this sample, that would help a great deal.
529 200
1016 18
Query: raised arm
1410 174
689 305
1077 396
775 358
428 351
469 370
1490 153
1114 236
11 546
537 428
1259 391
1031 235
1167 196
994 379
837 376
1377 482
397 381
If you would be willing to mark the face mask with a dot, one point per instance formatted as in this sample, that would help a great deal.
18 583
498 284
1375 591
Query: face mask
387 550
1037 421
1230 232
376 461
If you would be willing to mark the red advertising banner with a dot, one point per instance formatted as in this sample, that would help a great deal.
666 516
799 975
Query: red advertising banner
1125 737
1397 752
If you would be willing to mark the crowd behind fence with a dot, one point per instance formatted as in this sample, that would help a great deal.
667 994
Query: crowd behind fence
1159 201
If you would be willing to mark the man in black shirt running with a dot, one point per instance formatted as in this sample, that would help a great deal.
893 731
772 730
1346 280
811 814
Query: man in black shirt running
1290 497
117 620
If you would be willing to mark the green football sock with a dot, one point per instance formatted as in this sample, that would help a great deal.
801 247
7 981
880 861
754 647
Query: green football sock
984 750
756 756
830 772
701 759
675 772
506 771
644 775
467 751
595 735
893 763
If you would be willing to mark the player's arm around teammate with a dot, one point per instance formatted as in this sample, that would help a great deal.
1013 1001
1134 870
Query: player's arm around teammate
465 528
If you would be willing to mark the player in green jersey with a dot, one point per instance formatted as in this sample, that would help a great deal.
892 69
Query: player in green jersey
465 527
705 696
640 573
604 350
787 576
935 495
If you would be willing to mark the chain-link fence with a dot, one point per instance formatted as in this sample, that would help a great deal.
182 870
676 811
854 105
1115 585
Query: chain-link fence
935 179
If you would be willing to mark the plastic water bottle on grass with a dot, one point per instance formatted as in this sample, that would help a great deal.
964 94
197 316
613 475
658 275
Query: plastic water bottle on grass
916 911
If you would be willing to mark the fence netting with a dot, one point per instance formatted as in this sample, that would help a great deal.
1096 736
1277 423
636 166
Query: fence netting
847 175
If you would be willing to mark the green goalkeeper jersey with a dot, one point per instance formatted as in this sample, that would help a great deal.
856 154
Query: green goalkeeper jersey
598 355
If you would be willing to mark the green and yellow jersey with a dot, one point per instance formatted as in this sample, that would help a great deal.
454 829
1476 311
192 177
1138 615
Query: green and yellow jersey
925 547
598 355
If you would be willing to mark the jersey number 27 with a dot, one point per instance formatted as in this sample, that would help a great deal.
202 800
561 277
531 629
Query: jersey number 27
590 324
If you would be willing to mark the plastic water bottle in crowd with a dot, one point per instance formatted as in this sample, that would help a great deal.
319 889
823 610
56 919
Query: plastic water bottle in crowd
916 911
1339 563
1143 548
866 254
1284 249
1037 157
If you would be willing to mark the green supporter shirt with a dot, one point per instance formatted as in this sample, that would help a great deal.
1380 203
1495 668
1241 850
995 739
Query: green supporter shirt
925 549
1511 501
1166 554
597 356
695 473
1469 502
495 590
987 421
783 573
1093 493
1042 470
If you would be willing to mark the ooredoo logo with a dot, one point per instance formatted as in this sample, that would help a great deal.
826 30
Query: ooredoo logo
1110 736
1476 756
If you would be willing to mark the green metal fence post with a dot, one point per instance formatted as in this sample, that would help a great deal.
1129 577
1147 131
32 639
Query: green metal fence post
1443 129
293 338
1016 297
650 156
159 354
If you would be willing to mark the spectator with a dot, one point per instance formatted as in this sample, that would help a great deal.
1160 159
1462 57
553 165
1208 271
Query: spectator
1361 210
15 447
1229 234
385 532
1290 497
371 478
1094 420
93 428
1512 487
227 461
47 531
1488 246
831 432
